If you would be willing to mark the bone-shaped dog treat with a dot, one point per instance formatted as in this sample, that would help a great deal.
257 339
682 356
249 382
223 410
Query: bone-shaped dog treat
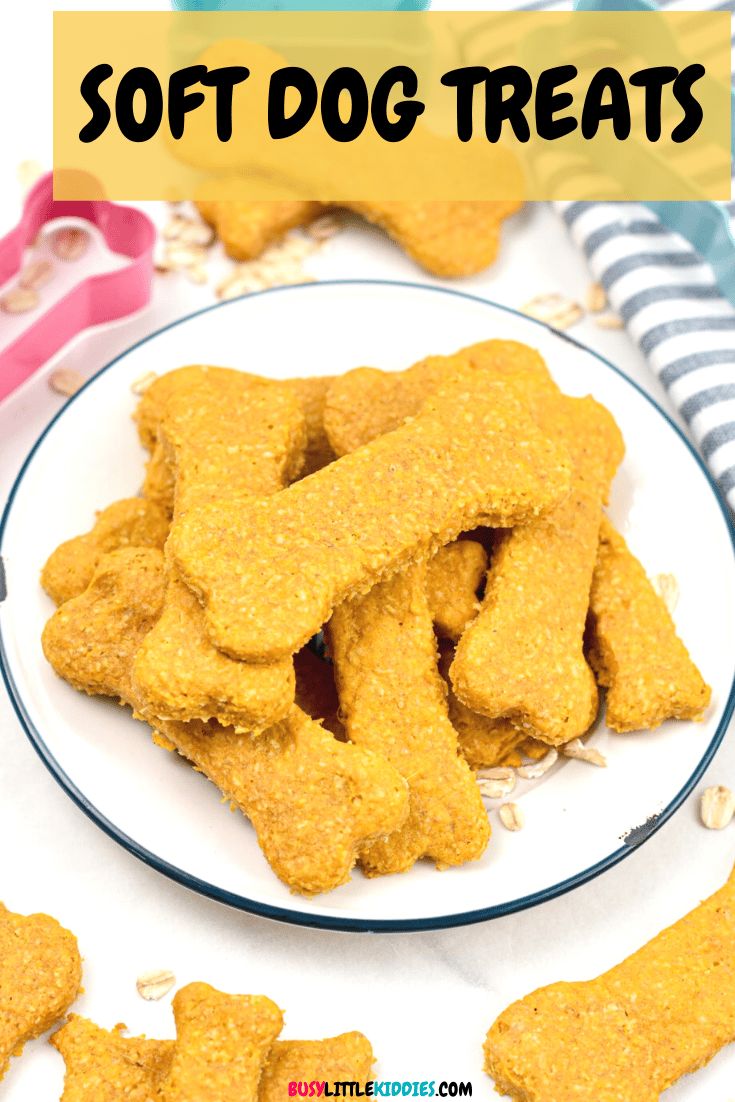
218 428
346 1058
40 977
456 571
91 640
180 675
152 408
454 577
106 1066
248 228
312 800
633 646
270 572
366 403
158 485
312 394
453 238
222 1044
483 742
522 656
227 431
393 702
132 522
634 1031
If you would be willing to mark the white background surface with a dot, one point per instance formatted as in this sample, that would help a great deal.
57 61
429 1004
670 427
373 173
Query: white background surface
425 1000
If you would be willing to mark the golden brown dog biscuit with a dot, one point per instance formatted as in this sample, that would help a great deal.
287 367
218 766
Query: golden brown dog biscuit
152 405
246 229
313 801
40 977
179 675
366 403
482 742
633 646
105 1066
91 640
132 522
454 238
455 574
222 1045
312 394
447 238
628 1035
158 484
393 702
270 572
346 1058
217 428
228 431
522 656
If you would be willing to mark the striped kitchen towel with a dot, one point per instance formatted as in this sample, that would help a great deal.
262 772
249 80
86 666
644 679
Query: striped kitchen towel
673 309
668 298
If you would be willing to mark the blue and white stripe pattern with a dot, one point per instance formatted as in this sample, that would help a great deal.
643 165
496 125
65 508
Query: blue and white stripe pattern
673 309
669 300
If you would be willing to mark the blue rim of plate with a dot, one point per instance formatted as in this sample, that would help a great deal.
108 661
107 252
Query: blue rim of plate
291 916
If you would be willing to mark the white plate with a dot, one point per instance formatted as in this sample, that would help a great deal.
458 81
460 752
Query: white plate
580 820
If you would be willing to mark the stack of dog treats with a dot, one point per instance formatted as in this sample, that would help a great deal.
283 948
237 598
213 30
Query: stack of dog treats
274 510
226 1046
226 1050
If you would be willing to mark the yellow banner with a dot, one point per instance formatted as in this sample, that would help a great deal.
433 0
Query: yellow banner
392 106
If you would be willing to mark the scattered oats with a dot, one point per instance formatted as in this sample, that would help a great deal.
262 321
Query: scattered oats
236 285
172 229
294 246
19 300
496 783
511 817
667 588
180 256
554 309
576 749
154 985
325 227
196 233
609 321
65 381
28 173
595 299
36 274
141 385
197 274
70 242
717 807
495 773
537 769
